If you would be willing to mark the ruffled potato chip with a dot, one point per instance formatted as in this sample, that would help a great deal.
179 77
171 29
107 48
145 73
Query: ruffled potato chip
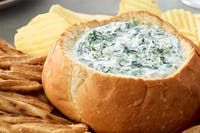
184 21
189 35
74 17
137 5
38 36
197 22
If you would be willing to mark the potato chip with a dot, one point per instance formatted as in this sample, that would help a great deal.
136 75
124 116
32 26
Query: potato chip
180 19
41 33
197 22
138 5
189 35
69 16
38 36
184 21
74 17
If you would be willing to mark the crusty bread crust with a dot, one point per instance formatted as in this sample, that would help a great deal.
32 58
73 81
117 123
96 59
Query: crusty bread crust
111 103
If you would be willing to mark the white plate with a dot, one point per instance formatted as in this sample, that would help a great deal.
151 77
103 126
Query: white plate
192 3
6 3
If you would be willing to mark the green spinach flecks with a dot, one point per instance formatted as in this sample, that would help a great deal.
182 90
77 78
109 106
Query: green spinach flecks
130 48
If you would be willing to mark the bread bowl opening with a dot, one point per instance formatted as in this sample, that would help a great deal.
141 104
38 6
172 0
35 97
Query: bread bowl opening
130 48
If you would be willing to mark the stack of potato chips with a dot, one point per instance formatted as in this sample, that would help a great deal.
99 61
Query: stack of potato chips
38 36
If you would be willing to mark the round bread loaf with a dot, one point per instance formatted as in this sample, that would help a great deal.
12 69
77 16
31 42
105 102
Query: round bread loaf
117 98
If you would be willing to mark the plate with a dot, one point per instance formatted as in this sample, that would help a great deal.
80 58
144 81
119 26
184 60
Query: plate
7 3
192 3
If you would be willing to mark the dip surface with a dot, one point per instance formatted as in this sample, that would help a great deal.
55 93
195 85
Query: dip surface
130 48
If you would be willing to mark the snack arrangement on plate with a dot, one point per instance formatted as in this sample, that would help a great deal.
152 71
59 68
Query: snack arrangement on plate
136 72
23 106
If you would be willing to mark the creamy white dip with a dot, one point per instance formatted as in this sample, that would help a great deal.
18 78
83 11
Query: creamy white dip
130 48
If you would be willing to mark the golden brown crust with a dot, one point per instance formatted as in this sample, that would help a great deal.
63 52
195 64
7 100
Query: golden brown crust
20 85
8 60
48 128
36 60
27 99
13 123
110 103
7 49
26 68
6 75
60 96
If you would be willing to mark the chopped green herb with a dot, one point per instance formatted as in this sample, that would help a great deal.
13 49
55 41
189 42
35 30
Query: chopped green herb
130 48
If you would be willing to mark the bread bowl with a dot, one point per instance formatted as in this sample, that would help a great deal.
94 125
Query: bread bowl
119 101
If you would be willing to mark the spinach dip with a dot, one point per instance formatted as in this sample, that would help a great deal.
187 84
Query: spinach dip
130 48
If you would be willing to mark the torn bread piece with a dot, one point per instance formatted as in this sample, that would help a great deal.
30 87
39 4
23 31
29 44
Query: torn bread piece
20 85
25 68
7 60
27 105
7 49
48 128
27 99
22 124
12 75
39 60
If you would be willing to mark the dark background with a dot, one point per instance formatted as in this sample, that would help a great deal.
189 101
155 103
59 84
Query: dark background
19 14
